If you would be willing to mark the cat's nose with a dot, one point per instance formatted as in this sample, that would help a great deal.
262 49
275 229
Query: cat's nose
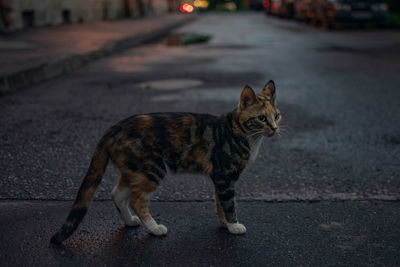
275 129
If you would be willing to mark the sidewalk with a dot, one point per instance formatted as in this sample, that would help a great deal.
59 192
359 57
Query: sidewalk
31 56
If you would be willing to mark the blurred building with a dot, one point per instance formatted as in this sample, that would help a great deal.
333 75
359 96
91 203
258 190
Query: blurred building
18 14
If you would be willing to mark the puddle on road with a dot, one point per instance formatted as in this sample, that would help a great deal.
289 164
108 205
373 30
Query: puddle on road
179 39
391 139
226 95
229 46
170 84
341 49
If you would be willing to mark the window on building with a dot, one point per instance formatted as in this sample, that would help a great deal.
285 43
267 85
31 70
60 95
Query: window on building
28 18
66 16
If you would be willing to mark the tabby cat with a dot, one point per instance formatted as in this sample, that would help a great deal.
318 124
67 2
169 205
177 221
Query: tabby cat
145 148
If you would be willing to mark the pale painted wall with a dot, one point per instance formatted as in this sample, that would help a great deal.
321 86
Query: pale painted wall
49 12
160 6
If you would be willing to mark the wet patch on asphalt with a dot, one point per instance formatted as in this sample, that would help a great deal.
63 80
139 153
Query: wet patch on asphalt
294 28
170 84
182 63
209 79
365 51
185 38
391 139
228 46
341 49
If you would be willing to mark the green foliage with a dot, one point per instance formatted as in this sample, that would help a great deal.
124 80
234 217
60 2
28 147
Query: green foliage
192 38
394 19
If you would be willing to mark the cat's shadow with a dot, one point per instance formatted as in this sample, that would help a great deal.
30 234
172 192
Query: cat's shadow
126 244
136 245
214 243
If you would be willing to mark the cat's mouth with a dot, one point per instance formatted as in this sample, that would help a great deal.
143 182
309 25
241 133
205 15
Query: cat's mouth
270 132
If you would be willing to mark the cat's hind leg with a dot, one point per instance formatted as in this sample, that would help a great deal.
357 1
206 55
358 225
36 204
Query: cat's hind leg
121 196
142 188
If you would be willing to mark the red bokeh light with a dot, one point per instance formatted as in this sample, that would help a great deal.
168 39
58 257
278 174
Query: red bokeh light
188 8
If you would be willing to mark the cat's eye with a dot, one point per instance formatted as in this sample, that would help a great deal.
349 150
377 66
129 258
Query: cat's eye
277 116
262 118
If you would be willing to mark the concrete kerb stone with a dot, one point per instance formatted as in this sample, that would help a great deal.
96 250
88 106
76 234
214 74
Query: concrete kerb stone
44 71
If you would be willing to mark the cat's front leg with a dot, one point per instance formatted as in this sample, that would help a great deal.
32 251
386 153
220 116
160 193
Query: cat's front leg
220 211
226 197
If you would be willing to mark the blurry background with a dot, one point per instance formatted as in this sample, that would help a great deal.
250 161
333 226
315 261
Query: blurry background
18 14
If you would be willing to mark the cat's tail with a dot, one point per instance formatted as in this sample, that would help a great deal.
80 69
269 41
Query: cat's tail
85 194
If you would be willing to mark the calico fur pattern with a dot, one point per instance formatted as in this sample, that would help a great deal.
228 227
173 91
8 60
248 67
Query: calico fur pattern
146 147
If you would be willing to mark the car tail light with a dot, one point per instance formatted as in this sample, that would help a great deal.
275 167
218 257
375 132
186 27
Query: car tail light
186 8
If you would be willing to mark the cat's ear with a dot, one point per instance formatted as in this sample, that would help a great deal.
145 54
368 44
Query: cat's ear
247 98
270 91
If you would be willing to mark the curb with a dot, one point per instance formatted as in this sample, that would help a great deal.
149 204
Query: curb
45 71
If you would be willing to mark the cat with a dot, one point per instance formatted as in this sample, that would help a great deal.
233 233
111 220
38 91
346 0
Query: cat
146 147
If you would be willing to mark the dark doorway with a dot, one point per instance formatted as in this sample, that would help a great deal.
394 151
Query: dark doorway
66 16
6 13
28 18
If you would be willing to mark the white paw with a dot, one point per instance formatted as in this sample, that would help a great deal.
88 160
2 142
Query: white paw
236 228
132 221
159 230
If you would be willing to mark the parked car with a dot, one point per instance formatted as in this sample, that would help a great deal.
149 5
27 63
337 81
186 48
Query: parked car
256 4
304 10
271 7
282 8
330 12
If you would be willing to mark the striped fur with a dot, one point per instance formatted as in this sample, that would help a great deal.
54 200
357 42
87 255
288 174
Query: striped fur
146 147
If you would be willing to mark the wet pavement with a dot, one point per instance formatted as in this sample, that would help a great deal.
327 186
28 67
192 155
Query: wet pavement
21 49
30 57
336 163
279 234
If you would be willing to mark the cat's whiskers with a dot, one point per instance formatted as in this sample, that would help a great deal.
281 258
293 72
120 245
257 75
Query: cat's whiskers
284 127
255 131
255 134
282 132
253 141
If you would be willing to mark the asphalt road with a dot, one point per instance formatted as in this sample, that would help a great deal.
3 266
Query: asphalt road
280 234
339 97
